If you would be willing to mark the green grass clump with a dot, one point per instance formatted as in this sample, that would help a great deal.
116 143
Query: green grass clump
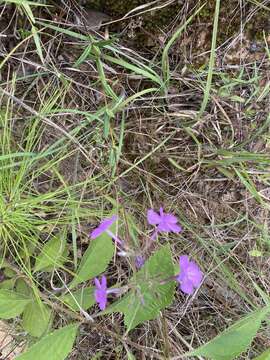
36 200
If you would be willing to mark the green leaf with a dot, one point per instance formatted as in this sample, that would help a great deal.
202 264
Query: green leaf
9 272
51 254
233 341
148 296
36 318
84 297
264 356
55 346
7 284
95 260
23 289
12 304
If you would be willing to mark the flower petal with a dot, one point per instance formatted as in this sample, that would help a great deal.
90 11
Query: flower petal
97 283
183 263
175 228
106 223
187 287
103 282
163 226
181 277
103 303
100 292
194 274
168 223
139 261
152 217
161 212
170 218
103 226
101 298
96 232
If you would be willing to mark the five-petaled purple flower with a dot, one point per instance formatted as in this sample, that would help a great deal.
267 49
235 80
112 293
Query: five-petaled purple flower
190 275
165 222
104 227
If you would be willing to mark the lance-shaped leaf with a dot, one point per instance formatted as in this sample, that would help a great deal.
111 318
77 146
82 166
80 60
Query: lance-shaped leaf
95 260
54 346
235 340
36 318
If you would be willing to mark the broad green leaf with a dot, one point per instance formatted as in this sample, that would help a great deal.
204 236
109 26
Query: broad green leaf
51 254
9 272
148 296
233 341
84 297
11 304
23 289
36 318
264 356
7 284
54 346
95 260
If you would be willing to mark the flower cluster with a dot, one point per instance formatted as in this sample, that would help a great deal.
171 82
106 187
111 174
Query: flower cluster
189 276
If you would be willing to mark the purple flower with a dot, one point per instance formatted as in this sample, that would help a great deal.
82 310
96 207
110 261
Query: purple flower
104 227
101 292
190 275
139 261
165 222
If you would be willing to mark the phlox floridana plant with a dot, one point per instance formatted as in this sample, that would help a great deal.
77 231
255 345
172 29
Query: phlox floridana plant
140 298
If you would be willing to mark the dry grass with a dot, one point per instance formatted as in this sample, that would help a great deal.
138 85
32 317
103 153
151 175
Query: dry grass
212 171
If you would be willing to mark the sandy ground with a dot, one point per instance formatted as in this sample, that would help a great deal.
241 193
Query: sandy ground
8 348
